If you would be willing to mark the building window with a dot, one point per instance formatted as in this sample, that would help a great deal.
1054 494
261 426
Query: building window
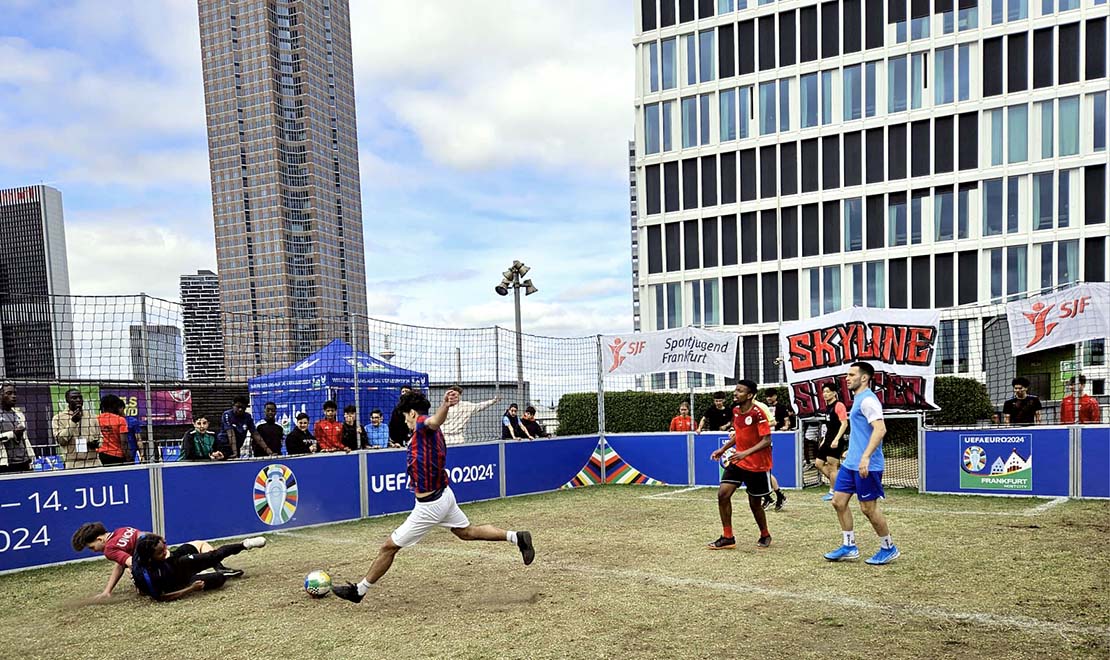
668 125
689 122
896 220
1063 211
853 224
1067 265
1018 9
1048 132
827 96
995 258
992 207
691 59
1019 133
728 114
871 75
876 285
651 128
674 305
670 63
1098 120
944 87
944 218
1042 201
946 348
918 63
1048 263
997 11
1069 126
1013 204
707 56
963 211
967 19
784 105
653 66
917 201
896 84
705 100
809 100
853 93
831 282
745 111
767 108
1016 276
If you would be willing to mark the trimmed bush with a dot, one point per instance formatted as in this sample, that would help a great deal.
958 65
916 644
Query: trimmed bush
962 401
632 412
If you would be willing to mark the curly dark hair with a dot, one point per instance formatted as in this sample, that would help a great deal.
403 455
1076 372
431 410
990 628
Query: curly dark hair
414 400
144 549
86 534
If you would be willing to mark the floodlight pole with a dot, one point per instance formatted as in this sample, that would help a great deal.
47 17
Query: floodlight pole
519 339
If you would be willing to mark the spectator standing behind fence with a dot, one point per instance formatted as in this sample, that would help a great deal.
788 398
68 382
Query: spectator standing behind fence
784 414
1024 408
299 440
460 416
1089 412
398 430
199 444
682 421
533 428
510 425
76 433
353 435
235 424
270 431
716 417
113 430
377 433
16 453
329 430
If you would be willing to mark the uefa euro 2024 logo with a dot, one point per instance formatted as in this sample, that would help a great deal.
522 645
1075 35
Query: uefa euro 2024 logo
275 494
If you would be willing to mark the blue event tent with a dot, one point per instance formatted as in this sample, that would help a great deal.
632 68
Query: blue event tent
329 373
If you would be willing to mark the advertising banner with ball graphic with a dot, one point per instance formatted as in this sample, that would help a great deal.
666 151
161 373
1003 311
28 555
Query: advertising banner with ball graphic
996 462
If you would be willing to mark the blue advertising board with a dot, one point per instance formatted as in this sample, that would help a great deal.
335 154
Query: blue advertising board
221 499
999 461
38 514
784 458
474 470
660 456
543 465
1094 453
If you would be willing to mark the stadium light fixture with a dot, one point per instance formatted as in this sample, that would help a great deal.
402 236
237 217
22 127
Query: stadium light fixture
511 279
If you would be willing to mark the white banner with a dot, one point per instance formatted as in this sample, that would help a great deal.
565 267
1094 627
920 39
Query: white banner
899 343
682 349
1079 313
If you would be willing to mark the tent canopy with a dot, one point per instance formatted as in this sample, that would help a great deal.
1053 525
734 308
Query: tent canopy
329 374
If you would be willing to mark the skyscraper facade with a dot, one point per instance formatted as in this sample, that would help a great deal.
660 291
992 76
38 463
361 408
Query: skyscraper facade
796 158
279 96
35 316
163 360
203 331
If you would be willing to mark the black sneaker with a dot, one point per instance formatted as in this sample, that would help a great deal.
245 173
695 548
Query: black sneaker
780 501
768 502
724 543
524 542
230 572
764 541
347 592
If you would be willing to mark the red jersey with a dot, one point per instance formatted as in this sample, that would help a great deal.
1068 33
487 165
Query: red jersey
329 435
680 423
112 429
1088 410
751 427
121 544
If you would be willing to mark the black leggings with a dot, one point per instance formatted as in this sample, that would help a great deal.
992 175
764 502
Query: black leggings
187 569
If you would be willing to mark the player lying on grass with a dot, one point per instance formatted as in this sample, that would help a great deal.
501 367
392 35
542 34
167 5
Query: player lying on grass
435 502
119 546
165 575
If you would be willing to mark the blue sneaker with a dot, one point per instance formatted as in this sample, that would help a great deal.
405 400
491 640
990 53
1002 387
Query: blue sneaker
827 498
884 556
843 553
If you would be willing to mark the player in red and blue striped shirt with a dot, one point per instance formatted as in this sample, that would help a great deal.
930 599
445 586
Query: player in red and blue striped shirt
435 502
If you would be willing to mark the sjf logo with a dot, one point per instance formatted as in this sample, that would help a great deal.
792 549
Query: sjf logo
1042 328
622 350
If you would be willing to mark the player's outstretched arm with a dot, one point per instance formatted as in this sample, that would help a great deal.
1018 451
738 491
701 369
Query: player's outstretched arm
113 580
174 595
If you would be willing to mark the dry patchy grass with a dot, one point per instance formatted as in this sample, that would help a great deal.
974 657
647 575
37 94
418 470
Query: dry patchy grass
621 574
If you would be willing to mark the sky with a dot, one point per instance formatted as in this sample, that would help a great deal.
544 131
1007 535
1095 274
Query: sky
489 131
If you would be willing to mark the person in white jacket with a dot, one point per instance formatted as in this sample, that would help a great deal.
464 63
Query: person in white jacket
460 416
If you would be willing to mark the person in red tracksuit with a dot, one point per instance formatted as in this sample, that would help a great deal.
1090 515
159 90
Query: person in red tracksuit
329 430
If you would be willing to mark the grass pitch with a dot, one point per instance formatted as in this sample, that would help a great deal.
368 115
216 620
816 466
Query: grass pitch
622 572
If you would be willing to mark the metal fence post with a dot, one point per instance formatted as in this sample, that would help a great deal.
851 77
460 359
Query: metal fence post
354 368
601 407
145 366
496 363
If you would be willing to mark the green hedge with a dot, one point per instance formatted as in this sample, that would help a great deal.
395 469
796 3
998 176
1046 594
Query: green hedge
962 401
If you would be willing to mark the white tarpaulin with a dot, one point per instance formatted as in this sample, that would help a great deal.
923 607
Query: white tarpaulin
899 343
682 349
1076 314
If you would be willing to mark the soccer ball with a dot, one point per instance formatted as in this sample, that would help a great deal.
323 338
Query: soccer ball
727 456
317 584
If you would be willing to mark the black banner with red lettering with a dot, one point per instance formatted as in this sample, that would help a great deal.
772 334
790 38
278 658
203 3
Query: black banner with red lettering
900 344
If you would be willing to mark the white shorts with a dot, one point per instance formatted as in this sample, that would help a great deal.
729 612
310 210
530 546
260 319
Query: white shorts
444 512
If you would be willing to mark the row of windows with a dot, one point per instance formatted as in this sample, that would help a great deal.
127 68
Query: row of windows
940 146
664 14
1015 205
919 282
1008 66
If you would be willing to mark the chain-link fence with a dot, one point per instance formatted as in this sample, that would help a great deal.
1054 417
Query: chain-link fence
164 366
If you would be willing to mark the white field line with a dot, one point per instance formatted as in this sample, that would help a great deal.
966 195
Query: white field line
905 610
790 504
668 492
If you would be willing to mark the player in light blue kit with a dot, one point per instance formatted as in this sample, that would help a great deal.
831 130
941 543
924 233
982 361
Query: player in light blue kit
861 472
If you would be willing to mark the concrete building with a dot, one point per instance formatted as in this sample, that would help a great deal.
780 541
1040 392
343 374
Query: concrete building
35 315
164 358
203 330
279 96
797 158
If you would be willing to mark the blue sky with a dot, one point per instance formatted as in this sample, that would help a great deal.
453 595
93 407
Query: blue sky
488 132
